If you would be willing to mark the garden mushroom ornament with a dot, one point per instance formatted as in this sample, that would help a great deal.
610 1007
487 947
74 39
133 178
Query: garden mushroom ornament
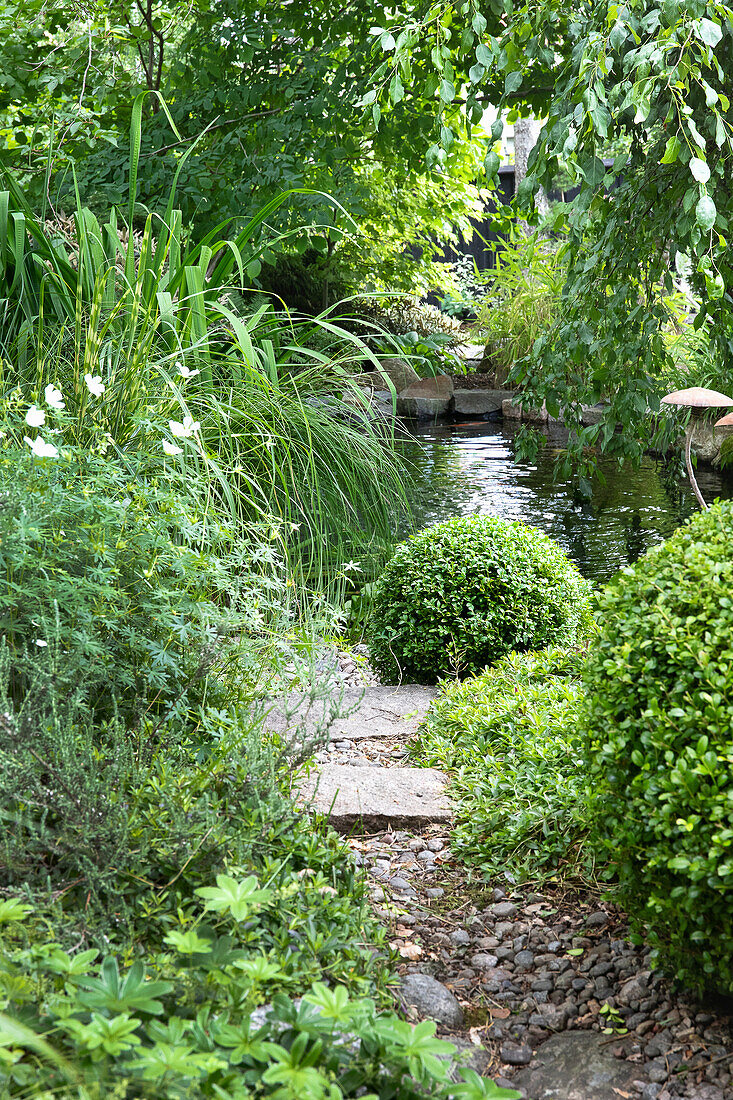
697 398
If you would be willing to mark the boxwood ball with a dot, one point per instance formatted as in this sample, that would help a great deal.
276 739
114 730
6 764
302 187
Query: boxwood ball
659 729
459 595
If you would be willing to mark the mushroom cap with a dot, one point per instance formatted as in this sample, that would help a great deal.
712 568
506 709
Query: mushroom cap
697 398
724 420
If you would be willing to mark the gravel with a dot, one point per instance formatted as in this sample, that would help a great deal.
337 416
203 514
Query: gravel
522 965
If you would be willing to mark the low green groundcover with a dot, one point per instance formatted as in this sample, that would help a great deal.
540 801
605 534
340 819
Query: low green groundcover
510 737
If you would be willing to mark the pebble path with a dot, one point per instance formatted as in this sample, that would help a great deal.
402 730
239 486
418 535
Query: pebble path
519 968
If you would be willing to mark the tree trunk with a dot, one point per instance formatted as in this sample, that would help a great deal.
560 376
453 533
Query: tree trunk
526 132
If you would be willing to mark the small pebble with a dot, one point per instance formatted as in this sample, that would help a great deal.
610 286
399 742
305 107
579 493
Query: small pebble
459 938
515 1055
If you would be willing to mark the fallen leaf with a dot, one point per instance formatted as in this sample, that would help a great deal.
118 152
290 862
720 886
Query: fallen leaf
620 1092
474 1034
410 951
498 1012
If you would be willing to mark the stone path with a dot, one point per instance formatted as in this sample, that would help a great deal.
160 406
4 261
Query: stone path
541 991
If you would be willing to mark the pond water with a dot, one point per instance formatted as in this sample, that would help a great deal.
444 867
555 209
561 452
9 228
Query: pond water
467 469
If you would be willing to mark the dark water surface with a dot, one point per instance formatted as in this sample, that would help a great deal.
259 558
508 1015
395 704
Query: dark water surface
467 469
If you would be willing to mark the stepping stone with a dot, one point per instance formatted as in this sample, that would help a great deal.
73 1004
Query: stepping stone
479 402
374 711
427 398
576 1065
370 799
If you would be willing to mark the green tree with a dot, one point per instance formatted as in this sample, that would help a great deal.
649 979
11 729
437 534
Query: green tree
269 94
652 76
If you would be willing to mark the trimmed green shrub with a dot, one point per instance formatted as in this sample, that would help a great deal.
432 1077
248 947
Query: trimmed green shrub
510 737
459 595
660 734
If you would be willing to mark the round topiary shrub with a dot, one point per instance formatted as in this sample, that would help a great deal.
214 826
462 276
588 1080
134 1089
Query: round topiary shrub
461 594
659 722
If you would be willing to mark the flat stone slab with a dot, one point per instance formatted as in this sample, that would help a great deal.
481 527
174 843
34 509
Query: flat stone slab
373 798
374 711
576 1065
478 402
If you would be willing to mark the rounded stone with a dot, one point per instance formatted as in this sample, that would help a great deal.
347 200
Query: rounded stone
524 958
503 909
482 960
515 1055
459 938
432 999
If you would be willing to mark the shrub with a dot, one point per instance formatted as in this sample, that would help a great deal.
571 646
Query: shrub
106 567
510 736
185 1021
461 594
660 733
525 300
308 283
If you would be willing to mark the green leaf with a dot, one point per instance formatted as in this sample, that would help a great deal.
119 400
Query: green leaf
491 164
700 170
237 898
14 910
188 943
601 119
513 82
672 150
483 55
705 213
447 91
708 32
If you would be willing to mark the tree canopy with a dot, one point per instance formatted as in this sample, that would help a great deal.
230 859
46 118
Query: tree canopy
655 78
268 93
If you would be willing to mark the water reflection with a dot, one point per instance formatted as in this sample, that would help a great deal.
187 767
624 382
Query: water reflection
469 469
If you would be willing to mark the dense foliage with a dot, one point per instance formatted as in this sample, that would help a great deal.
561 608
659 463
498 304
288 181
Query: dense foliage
653 81
524 301
187 364
114 573
510 737
263 97
659 723
183 1021
460 594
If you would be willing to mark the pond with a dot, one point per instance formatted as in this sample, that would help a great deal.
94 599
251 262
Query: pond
466 469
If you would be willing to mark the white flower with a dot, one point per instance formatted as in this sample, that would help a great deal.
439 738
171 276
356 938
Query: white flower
95 385
171 448
186 430
41 643
54 397
35 417
184 371
40 448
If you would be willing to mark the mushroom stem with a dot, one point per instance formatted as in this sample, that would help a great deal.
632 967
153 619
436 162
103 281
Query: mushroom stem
688 463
